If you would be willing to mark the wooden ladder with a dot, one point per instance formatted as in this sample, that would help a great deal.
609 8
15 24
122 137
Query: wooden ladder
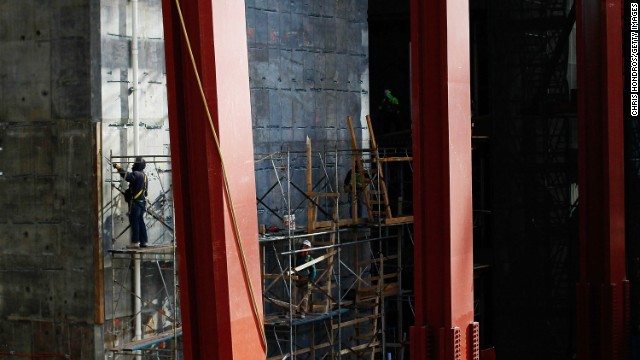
377 198
368 306
374 192
357 167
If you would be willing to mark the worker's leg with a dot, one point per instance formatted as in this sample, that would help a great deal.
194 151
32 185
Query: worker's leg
142 228
136 219
304 303
135 223
298 295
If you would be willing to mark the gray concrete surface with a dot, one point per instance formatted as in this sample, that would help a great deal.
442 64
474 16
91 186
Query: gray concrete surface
64 107
308 63
49 212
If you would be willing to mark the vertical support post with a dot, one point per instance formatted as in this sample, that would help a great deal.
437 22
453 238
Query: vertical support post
137 297
98 252
441 117
311 218
602 287
312 347
134 77
399 336
355 205
216 298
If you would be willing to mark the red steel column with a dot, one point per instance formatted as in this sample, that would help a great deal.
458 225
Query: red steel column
444 327
218 320
603 291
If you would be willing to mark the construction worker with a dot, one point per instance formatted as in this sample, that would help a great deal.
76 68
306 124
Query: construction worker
306 277
390 112
136 197
389 103
347 182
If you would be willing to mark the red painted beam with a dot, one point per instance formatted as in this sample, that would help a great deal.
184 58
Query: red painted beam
441 118
602 291
218 319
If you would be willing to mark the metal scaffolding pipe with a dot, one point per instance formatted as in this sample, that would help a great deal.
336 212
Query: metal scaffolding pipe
134 74
136 151
137 296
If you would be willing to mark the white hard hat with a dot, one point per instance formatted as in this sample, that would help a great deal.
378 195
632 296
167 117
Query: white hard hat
306 243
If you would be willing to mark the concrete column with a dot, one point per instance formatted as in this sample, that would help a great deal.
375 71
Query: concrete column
219 321
441 115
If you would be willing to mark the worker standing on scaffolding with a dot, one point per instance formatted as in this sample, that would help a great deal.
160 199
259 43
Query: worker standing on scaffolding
136 198
306 277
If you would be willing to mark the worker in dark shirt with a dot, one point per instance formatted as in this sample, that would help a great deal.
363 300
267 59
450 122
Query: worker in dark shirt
137 203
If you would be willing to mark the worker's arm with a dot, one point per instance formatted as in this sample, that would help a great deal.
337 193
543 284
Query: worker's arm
128 176
120 169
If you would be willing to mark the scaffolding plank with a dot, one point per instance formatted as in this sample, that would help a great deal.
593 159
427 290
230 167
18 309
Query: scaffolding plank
376 278
375 289
149 341
370 346
353 322
398 220
148 249
312 262
324 224
313 194
285 320
393 159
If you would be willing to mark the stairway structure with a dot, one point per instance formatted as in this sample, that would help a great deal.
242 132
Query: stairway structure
374 192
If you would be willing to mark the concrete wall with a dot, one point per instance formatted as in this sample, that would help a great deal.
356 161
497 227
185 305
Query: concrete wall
48 198
308 63
65 107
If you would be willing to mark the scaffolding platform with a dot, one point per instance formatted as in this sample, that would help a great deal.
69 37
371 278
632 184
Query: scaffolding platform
285 320
148 342
148 249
